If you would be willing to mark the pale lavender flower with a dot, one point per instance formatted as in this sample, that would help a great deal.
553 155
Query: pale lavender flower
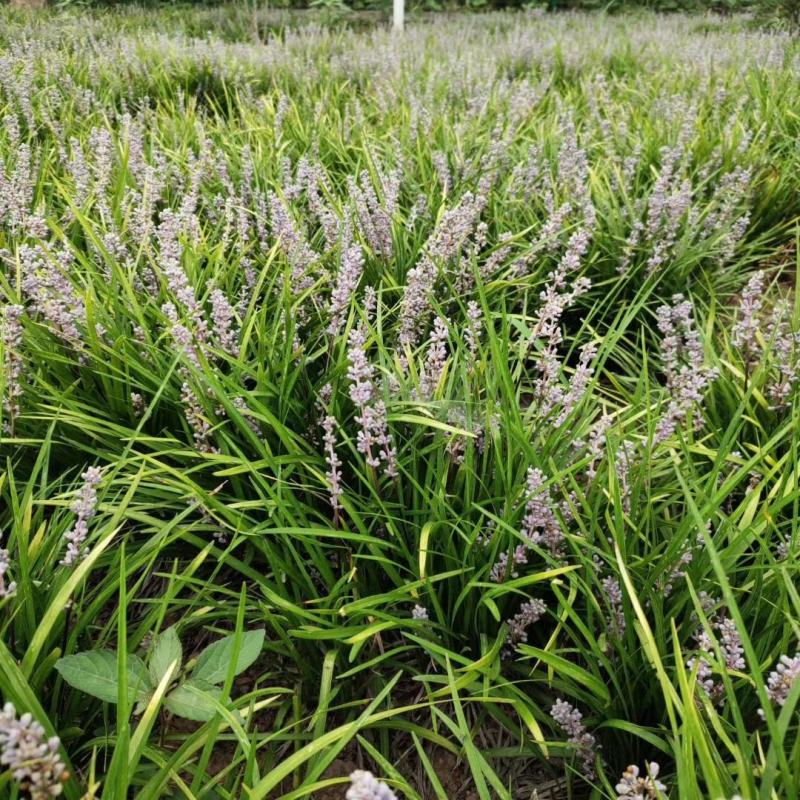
419 287
417 210
464 274
613 596
670 156
497 257
678 571
731 649
623 463
360 372
785 349
435 359
579 382
240 404
548 391
51 294
316 183
6 589
280 115
633 787
373 440
577 246
676 206
347 280
17 188
30 756
195 417
365 786
419 613
247 289
573 172
727 219
570 720
116 248
11 338
170 257
293 244
707 601
181 335
443 245
682 353
137 403
142 204
679 336
540 525
101 145
84 507
79 171
472 333
526 176
442 169
631 243
292 189
457 442
247 182
486 538
748 324
548 236
782 679
599 99
375 218
595 444
198 168
529 612
260 217
370 303
630 167
224 319
547 321
731 644
702 663
333 474
502 569
490 164
669 202
140 335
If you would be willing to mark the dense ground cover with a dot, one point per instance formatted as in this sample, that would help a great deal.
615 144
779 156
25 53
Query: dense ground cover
442 384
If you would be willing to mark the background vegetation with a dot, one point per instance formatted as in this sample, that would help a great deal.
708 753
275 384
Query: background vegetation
772 14
309 331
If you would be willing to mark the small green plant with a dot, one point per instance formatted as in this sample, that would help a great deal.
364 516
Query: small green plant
194 691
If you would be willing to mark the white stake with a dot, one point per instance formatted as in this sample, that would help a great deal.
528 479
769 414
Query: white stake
398 9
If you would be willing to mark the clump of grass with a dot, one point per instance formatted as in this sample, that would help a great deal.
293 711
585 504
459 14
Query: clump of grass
461 364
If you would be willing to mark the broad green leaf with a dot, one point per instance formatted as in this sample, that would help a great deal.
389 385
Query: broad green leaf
95 672
166 649
193 700
212 665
